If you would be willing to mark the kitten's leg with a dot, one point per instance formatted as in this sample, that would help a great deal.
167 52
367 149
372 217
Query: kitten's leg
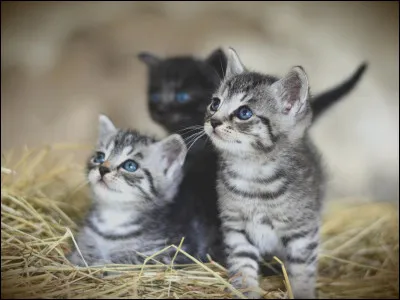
75 259
242 262
88 249
91 260
301 263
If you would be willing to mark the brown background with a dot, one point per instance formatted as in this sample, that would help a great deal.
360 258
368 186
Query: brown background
62 63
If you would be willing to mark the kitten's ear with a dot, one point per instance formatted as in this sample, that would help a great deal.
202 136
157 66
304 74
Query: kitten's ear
149 59
234 64
217 59
292 91
106 127
172 151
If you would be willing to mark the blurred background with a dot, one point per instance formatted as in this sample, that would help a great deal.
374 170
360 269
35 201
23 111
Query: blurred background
63 63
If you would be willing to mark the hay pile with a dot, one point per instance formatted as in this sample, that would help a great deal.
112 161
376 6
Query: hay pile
43 195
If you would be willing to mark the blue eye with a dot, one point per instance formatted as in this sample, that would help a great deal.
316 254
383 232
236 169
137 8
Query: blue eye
155 97
99 158
215 104
244 113
182 97
130 166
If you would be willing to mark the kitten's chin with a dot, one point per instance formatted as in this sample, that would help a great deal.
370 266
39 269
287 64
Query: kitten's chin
226 146
108 196
222 144
105 192
101 190
218 141
104 185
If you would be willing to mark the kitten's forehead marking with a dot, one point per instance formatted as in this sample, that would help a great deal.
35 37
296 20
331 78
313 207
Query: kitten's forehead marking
118 155
127 150
134 152
124 145
231 103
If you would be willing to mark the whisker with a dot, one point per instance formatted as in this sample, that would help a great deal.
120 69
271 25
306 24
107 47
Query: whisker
191 145
189 142
194 135
189 128
194 141
190 131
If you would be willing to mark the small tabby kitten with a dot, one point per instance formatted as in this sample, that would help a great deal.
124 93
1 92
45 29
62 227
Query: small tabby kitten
179 90
134 180
270 182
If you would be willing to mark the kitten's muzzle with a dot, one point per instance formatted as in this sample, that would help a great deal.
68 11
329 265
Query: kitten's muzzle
103 171
215 123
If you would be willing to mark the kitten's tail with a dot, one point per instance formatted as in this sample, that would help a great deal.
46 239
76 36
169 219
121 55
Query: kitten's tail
325 100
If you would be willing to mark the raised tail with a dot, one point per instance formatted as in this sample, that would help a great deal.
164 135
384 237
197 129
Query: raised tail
320 103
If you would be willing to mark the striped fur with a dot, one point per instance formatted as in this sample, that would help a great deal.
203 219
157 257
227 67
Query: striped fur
130 217
270 183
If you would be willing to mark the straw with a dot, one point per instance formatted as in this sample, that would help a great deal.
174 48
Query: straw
44 197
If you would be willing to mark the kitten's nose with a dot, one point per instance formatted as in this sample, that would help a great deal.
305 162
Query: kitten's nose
104 170
215 123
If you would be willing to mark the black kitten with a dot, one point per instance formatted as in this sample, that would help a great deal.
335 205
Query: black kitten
180 88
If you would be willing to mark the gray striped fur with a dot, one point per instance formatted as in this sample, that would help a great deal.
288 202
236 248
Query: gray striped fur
270 182
129 217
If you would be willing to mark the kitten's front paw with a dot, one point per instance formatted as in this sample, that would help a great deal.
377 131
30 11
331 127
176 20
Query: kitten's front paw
250 290
252 295
75 259
248 295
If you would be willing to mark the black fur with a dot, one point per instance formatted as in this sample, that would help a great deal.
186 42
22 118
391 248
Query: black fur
324 101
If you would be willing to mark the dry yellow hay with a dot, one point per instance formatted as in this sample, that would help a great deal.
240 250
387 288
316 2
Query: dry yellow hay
43 195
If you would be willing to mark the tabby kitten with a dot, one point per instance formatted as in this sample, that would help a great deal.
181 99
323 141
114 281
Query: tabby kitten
134 180
179 90
270 182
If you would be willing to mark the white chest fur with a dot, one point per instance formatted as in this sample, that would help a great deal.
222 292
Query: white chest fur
255 214
110 222
262 235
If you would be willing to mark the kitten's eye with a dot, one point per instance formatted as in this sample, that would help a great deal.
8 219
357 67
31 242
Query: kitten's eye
130 165
215 104
182 97
99 158
155 98
244 113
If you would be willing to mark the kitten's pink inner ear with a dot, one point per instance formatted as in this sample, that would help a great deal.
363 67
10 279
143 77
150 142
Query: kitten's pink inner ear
288 107
292 91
